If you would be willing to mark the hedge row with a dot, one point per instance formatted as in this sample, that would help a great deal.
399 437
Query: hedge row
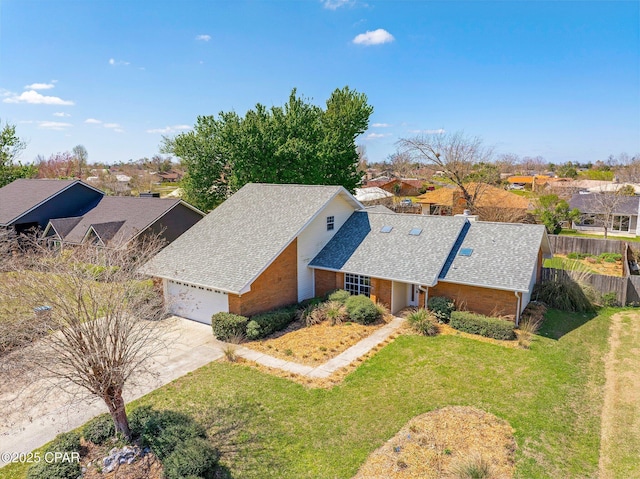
68 442
483 325
228 326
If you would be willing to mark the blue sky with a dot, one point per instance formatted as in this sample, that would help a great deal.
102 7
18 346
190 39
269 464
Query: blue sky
555 79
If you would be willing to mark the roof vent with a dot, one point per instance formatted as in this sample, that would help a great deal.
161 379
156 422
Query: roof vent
386 229
465 251
415 231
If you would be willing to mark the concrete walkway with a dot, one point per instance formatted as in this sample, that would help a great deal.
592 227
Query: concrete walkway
28 422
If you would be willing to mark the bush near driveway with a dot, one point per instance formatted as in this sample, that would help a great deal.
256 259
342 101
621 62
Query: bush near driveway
265 324
441 308
483 325
226 326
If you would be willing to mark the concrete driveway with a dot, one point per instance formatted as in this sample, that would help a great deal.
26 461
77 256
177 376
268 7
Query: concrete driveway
31 418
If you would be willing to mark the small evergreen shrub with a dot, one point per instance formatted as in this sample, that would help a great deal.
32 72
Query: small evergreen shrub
610 257
227 325
67 442
194 457
99 429
610 299
339 295
483 325
172 435
441 308
361 309
262 325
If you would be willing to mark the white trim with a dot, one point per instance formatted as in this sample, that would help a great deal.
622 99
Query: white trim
178 280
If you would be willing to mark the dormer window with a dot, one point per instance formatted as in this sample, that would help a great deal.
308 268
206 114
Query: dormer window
331 221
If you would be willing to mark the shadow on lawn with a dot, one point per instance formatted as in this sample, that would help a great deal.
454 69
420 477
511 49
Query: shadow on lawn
558 323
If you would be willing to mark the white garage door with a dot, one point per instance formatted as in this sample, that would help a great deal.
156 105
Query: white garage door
195 302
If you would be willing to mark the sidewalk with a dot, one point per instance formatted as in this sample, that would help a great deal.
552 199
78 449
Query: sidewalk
191 345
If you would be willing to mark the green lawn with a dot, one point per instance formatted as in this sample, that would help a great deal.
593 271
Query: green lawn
584 235
566 264
271 427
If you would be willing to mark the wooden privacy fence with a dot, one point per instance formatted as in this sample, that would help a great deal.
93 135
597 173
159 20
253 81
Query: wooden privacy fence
627 288
595 246
601 283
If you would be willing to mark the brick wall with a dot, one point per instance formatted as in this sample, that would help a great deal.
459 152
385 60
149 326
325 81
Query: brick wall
479 300
276 286
381 291
326 281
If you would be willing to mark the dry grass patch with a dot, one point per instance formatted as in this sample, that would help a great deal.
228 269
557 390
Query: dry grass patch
440 444
313 345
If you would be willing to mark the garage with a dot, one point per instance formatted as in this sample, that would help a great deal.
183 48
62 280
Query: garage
195 302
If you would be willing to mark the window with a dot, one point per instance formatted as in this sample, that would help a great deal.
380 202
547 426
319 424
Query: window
620 223
331 221
356 284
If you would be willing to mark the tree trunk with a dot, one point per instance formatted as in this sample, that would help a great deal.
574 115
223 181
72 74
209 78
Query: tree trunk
115 403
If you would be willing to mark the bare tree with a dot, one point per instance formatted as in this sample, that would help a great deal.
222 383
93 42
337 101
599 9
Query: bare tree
97 318
456 155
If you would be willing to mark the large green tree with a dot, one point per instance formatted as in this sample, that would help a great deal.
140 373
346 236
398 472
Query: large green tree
295 143
10 148
553 211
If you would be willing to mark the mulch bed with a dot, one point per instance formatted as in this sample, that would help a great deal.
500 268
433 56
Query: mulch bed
313 345
433 445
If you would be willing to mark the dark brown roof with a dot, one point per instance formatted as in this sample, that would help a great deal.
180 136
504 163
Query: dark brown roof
22 195
118 219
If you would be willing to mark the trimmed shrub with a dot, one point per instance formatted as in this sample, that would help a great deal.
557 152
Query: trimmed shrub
339 295
99 429
65 443
167 441
441 308
483 325
262 325
227 325
361 309
193 457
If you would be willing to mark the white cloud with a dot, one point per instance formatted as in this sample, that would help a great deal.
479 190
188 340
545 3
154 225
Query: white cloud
375 136
114 62
118 130
439 131
381 125
335 4
92 121
203 38
111 125
35 98
375 37
170 129
61 114
39 86
53 125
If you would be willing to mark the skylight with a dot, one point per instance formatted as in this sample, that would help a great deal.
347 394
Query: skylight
465 252
415 231
386 229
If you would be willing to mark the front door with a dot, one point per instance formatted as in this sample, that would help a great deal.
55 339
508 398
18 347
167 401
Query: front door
414 294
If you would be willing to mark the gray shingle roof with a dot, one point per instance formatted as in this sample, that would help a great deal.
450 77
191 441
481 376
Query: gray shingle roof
115 219
360 247
504 256
625 205
234 243
22 195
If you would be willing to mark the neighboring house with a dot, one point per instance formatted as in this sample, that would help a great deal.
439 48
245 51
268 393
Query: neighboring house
274 245
374 196
116 220
26 204
622 210
450 201
403 186
170 177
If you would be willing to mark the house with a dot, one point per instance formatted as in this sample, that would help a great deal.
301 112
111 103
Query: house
170 177
116 220
27 203
450 201
403 186
623 212
374 196
274 245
